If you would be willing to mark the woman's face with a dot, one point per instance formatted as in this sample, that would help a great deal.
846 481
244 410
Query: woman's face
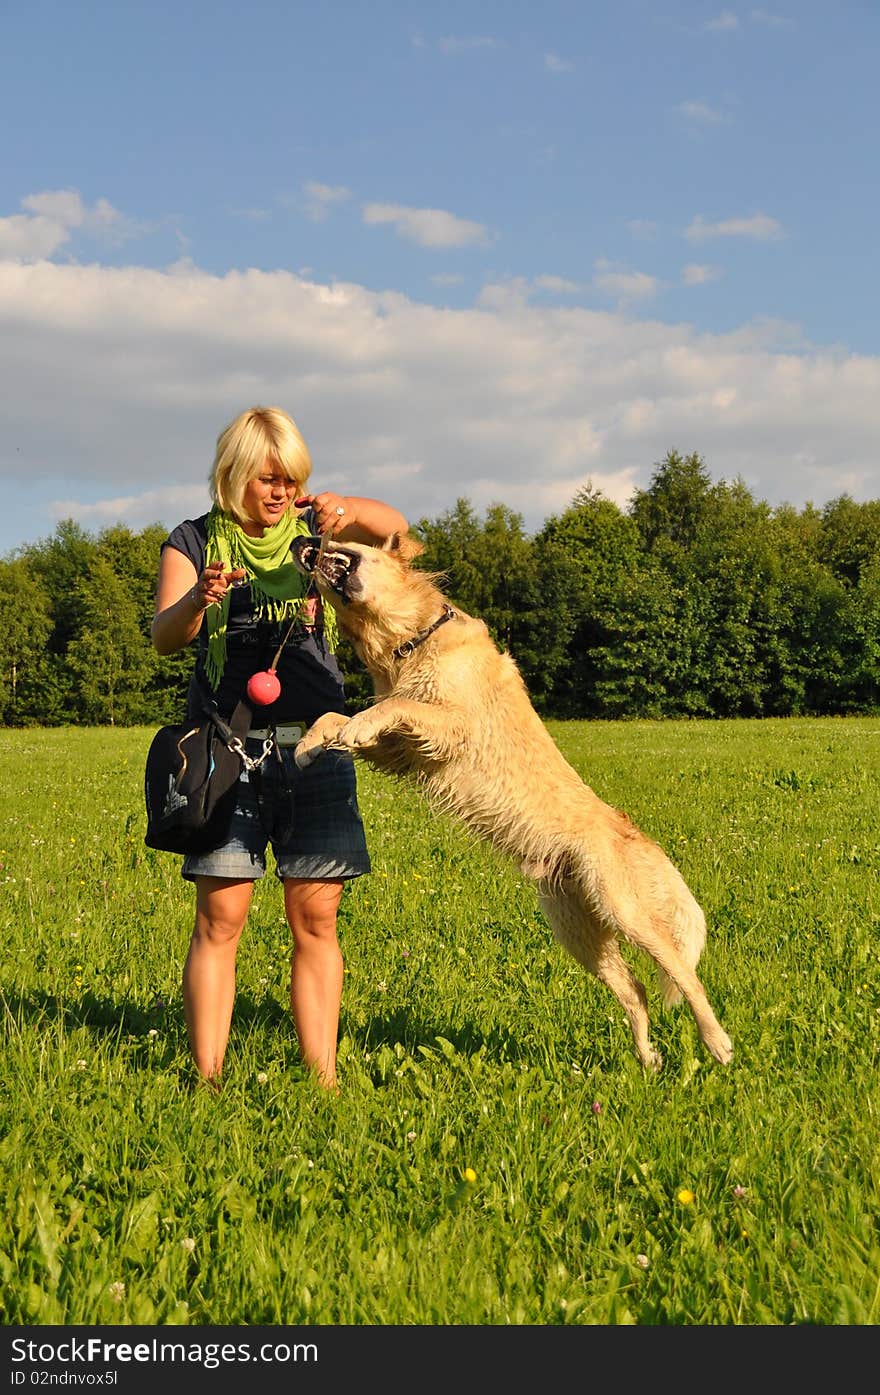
267 498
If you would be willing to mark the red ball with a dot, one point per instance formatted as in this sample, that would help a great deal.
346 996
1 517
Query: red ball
264 688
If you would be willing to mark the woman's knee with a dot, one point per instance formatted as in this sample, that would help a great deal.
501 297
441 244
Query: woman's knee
313 927
218 933
221 912
311 911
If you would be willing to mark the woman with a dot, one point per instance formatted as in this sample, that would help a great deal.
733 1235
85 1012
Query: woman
226 580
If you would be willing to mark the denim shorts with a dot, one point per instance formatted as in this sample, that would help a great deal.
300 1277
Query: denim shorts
324 838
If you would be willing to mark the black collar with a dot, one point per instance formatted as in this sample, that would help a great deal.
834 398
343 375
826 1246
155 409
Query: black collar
404 650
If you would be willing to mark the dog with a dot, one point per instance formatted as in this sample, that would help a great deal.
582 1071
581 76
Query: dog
451 712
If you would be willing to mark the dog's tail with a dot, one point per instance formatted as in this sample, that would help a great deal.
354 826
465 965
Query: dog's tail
688 926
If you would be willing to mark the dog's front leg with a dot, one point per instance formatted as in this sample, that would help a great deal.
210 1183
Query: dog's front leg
435 730
320 736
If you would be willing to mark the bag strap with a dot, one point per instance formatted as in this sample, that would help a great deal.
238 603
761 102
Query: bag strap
234 732
237 726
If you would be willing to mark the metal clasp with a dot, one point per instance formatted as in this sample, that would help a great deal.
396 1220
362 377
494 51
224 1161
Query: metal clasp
250 762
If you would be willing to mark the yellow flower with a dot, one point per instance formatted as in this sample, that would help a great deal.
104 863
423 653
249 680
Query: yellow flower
685 1196
470 1175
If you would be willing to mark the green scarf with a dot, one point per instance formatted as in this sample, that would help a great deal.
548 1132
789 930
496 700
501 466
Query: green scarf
278 588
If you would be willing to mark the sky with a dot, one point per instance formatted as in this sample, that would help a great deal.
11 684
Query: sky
496 251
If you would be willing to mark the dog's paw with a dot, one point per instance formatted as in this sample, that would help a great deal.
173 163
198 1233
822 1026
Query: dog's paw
359 732
721 1047
305 753
650 1059
320 736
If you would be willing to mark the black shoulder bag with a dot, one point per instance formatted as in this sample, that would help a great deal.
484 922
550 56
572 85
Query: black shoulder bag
191 779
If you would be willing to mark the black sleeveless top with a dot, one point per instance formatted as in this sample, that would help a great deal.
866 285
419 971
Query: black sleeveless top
311 682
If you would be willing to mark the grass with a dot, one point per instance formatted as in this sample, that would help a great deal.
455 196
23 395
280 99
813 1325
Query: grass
496 1154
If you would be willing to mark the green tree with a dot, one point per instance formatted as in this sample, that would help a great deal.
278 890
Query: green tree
134 559
865 674
675 503
849 539
615 612
110 659
727 579
812 621
695 600
25 631
59 563
489 567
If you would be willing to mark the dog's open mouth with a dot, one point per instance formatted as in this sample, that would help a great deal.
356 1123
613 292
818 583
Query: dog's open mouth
333 567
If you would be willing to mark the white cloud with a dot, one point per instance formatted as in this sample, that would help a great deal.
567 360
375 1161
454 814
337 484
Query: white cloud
429 227
508 401
320 198
642 228
451 44
395 470
30 238
760 228
725 23
699 274
701 113
50 218
622 285
554 64
64 205
771 20
138 510
557 285
505 295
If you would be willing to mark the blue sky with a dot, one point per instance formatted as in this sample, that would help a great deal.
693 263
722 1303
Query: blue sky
495 250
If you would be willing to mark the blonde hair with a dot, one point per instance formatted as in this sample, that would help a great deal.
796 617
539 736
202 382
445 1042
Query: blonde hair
259 437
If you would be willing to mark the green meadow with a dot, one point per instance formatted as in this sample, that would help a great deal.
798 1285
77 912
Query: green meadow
496 1154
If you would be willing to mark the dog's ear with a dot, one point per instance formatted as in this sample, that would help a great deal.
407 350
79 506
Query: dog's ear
403 546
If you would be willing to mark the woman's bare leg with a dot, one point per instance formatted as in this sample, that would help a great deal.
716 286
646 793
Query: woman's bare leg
209 971
316 972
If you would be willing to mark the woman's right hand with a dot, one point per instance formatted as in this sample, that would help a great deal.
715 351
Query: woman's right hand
213 583
183 596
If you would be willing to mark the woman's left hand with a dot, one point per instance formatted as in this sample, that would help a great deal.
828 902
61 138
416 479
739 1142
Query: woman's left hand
333 512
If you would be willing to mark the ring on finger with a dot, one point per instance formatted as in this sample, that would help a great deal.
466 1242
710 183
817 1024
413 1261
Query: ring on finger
340 510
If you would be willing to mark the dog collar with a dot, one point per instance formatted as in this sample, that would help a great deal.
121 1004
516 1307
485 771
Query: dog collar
404 650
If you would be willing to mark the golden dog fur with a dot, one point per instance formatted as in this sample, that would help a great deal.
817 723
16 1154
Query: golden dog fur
453 714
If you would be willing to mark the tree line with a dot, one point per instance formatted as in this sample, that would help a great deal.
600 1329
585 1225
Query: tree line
695 599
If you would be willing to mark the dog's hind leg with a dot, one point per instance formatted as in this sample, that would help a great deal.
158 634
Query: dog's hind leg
600 955
658 943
